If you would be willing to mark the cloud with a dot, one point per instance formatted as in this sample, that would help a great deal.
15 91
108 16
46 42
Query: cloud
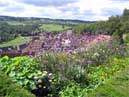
120 0
48 2
13 9
2 4
98 8
66 9
111 11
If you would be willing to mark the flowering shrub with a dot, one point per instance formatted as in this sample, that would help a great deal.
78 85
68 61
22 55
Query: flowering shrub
66 74
96 76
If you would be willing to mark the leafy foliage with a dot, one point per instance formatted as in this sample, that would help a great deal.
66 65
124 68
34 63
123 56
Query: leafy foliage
24 71
116 86
73 90
97 76
10 89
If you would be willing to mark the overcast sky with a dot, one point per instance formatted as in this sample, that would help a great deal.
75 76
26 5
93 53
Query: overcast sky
64 9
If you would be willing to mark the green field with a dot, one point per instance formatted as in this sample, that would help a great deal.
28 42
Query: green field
43 27
18 41
53 28
15 23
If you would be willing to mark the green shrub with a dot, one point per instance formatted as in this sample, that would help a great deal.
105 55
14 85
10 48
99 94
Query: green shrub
98 75
77 73
11 89
73 90
95 55
65 69
66 66
87 69
126 38
21 69
102 53
25 71
116 86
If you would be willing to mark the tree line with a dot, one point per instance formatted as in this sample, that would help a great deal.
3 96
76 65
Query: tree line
115 25
9 32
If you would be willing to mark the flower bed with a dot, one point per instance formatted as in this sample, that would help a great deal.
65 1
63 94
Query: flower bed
65 75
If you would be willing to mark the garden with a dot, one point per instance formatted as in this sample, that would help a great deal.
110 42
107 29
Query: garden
91 60
61 74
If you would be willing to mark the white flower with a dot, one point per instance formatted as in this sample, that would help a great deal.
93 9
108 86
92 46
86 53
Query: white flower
40 86
44 73
36 78
50 74
96 54
39 81
50 80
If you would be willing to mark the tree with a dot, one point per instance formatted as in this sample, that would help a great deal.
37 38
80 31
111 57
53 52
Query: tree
126 12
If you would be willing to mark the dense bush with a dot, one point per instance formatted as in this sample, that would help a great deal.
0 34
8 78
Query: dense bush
84 68
10 89
116 86
102 53
26 72
73 90
97 75
66 65
126 38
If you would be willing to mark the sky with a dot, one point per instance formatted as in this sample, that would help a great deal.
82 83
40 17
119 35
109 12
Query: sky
89 10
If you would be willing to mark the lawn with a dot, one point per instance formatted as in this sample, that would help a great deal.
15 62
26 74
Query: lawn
53 28
18 41
116 86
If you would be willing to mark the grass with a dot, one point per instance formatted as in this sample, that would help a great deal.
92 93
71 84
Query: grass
18 41
43 27
53 28
117 86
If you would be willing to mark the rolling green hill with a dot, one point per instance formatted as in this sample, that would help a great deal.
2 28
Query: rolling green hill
42 20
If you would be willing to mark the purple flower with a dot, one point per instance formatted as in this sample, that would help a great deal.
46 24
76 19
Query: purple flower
89 62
